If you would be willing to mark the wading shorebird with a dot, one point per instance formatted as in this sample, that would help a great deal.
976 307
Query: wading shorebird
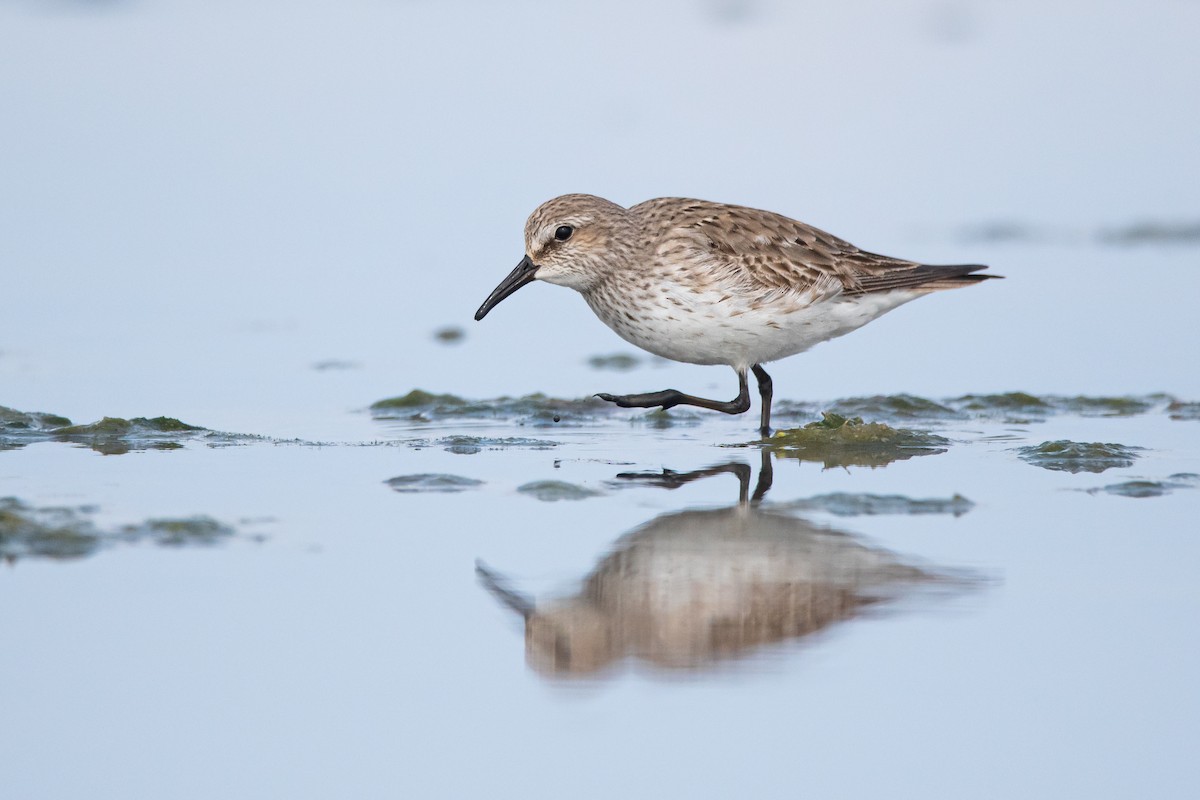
708 283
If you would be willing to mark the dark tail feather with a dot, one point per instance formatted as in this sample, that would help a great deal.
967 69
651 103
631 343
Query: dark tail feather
923 278
955 277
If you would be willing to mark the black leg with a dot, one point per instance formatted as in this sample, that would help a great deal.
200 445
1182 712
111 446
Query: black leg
669 398
764 391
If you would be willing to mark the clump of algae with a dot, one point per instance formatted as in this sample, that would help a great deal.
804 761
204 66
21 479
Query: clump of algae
109 436
115 426
839 441
13 420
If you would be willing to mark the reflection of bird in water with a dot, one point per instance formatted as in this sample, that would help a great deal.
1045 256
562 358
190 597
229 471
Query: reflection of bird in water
691 588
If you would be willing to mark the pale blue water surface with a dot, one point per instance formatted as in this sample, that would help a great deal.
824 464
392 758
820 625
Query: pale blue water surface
201 204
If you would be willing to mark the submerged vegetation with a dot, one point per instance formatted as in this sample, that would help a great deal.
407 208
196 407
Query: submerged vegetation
1146 488
432 482
450 334
552 491
853 504
617 362
1068 456
66 533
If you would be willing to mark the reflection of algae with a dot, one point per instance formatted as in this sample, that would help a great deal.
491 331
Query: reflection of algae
66 533
537 409
1067 456
851 504
1144 488
432 482
553 491
838 441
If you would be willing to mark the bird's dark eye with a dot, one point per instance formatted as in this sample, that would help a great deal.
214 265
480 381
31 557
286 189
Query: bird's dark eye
563 233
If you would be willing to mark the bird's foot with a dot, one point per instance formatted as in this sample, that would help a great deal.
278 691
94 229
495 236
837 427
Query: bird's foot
664 399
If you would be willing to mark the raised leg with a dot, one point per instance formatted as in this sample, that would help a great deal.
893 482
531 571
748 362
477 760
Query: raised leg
669 398
764 391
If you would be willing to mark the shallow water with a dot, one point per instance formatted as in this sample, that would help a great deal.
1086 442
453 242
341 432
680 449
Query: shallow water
395 607
279 520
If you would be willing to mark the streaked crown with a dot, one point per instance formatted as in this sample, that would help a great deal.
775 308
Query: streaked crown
575 239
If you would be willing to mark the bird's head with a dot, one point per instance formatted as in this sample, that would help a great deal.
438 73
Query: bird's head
573 240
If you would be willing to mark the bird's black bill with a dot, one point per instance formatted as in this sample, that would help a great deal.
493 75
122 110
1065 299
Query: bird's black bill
521 275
